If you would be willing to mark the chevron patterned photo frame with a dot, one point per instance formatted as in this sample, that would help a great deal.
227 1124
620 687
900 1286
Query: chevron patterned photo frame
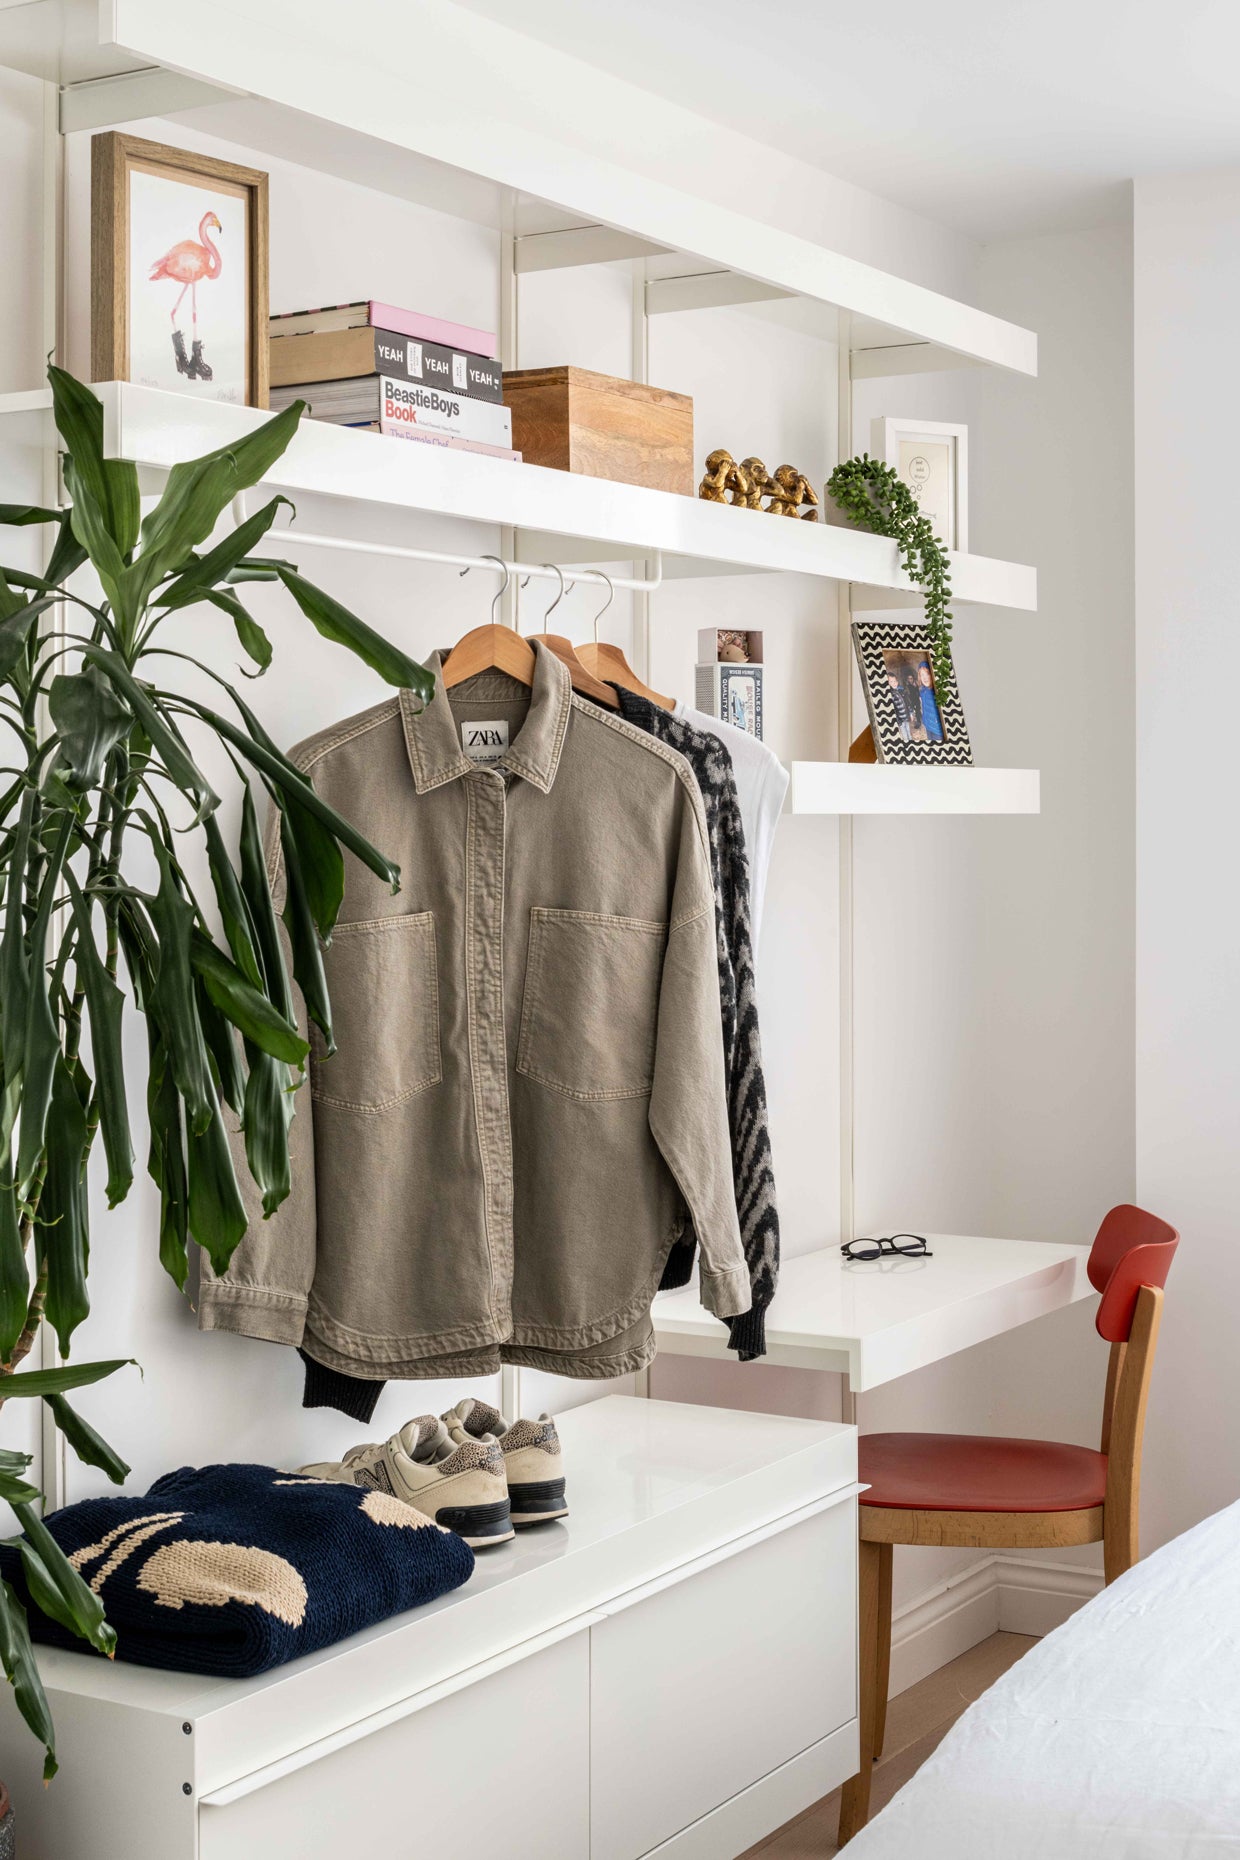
916 717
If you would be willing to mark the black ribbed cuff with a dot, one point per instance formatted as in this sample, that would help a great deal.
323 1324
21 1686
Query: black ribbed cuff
330 1388
747 1334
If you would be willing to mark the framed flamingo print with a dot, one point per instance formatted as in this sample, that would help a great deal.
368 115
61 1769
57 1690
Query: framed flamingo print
178 271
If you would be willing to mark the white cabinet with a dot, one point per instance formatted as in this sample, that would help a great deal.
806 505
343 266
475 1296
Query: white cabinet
500 1766
670 1672
702 1688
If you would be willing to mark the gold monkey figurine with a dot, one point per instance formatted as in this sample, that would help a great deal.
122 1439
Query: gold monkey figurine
789 489
724 481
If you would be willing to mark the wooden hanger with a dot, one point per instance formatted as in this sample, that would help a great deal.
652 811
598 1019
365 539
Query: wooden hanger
608 662
490 648
583 680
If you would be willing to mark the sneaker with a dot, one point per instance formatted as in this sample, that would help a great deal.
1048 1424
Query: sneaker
532 1458
447 1475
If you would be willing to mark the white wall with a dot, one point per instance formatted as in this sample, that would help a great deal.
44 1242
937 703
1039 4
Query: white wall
1187 276
994 958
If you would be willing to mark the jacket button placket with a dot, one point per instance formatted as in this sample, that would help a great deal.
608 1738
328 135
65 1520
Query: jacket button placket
484 953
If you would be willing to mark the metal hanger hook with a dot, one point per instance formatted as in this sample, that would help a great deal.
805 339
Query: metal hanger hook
499 563
556 569
611 595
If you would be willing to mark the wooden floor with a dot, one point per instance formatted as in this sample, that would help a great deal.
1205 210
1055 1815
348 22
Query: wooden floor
916 1720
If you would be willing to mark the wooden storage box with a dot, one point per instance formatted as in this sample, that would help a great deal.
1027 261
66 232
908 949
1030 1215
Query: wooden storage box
574 420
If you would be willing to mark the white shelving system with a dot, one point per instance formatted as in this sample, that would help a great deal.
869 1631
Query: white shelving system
277 79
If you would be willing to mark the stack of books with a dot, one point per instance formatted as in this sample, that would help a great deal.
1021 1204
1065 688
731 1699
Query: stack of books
387 370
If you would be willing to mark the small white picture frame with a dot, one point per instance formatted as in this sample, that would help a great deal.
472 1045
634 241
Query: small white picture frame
932 458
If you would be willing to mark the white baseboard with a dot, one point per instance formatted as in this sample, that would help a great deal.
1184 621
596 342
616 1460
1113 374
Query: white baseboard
1007 1593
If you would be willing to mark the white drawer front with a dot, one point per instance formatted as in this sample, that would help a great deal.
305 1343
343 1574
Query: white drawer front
500 1767
713 1682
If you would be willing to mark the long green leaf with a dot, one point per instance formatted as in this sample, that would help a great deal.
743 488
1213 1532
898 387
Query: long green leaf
281 772
15 633
22 1672
105 1004
90 719
90 526
85 1610
42 1040
15 971
17 1491
217 1216
336 623
304 939
166 1162
41 1382
67 556
248 1010
14 1274
234 912
266 1115
89 1446
196 493
22 514
259 902
164 739
62 1224
207 571
172 1003
112 483
221 1039
251 636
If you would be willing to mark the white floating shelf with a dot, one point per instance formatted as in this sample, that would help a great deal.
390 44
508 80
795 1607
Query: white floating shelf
886 788
604 521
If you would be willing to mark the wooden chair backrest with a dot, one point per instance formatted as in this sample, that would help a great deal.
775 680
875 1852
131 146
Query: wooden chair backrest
1128 1263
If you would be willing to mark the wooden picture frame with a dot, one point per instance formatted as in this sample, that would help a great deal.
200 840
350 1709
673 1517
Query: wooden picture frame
895 659
228 360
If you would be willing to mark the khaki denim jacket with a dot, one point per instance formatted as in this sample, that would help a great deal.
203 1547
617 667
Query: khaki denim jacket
527 1096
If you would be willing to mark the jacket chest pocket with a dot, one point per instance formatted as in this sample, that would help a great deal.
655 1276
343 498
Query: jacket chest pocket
590 1012
383 983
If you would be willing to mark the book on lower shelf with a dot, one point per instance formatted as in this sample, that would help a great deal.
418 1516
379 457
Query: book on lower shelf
347 354
400 407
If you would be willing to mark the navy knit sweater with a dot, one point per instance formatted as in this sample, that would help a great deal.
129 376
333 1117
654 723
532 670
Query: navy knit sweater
235 1569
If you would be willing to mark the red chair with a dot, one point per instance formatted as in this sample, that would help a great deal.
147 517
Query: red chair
987 1494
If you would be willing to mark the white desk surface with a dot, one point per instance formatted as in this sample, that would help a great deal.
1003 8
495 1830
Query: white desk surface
875 1320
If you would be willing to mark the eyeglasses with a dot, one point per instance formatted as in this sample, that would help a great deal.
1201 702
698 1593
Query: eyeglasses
909 1246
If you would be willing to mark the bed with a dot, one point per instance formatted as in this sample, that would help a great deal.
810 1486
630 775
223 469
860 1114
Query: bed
1117 1736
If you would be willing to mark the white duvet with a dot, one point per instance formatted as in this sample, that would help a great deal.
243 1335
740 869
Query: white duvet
1117 1736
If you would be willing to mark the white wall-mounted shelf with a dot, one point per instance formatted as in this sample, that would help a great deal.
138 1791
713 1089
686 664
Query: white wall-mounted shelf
602 521
887 788
476 150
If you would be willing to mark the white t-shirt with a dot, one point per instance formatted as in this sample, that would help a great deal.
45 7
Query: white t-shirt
761 784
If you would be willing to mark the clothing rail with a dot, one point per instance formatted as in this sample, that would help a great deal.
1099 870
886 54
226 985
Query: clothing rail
522 571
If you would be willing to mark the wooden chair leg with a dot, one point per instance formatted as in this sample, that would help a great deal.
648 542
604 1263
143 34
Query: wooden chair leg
883 1670
855 1799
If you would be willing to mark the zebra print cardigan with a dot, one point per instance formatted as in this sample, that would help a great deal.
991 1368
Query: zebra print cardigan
752 1170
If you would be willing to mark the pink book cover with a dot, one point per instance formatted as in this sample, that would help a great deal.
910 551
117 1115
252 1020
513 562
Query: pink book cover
434 329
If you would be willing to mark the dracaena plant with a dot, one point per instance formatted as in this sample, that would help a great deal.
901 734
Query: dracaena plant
99 920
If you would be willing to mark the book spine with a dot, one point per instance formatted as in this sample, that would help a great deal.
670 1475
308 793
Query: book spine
435 329
408 404
455 370
452 445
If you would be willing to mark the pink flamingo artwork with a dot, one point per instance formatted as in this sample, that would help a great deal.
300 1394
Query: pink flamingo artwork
187 263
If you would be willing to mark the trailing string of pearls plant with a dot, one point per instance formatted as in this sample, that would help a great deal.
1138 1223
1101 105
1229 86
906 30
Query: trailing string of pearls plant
873 496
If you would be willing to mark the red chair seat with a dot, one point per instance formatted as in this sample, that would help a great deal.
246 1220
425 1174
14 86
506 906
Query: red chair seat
970 1472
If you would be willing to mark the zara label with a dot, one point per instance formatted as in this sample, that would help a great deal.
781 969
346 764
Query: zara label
485 742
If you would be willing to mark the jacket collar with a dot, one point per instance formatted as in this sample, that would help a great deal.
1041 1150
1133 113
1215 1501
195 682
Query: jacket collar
433 740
